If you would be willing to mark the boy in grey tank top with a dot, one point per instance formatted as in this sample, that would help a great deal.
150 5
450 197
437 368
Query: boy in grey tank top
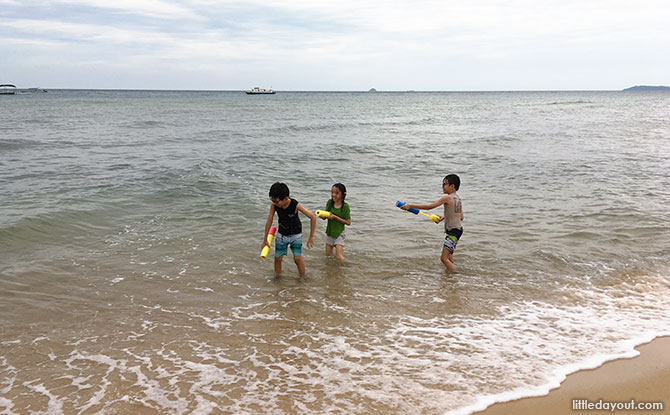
453 215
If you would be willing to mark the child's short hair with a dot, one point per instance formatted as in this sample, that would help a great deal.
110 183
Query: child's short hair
453 179
279 190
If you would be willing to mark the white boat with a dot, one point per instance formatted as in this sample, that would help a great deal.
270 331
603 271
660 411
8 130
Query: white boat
8 89
260 91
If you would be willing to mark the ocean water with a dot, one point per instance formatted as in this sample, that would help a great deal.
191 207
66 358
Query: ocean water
131 224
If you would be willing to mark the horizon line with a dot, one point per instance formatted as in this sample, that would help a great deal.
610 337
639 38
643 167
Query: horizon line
334 90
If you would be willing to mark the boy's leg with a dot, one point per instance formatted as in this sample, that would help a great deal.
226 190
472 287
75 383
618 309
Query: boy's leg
447 260
329 250
296 249
450 241
339 250
301 265
280 250
278 265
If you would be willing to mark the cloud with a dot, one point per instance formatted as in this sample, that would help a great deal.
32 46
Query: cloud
414 38
81 33
150 8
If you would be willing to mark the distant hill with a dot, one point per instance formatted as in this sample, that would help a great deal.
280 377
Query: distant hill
648 88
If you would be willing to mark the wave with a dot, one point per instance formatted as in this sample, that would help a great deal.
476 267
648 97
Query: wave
559 376
335 126
150 124
17 143
577 102
59 227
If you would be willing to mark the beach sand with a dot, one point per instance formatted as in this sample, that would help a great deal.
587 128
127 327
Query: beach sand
644 378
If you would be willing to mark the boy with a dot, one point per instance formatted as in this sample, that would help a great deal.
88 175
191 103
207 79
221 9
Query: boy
289 229
453 215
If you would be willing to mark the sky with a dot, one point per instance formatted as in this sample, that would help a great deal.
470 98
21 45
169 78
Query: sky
344 45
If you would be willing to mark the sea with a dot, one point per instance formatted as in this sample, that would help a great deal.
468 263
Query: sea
131 224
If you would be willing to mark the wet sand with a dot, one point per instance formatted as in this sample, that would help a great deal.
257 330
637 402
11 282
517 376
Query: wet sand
644 378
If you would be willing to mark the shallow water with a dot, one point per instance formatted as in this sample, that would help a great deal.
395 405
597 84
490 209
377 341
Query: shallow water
132 221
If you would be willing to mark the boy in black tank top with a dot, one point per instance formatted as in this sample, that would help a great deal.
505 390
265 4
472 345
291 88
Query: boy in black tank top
289 229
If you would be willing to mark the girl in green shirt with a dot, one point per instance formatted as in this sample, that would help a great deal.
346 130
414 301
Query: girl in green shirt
340 215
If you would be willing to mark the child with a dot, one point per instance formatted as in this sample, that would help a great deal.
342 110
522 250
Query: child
289 230
340 215
453 215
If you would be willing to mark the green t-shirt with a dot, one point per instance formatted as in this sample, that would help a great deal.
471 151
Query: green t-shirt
335 228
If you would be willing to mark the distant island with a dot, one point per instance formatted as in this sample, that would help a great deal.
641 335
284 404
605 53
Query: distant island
648 88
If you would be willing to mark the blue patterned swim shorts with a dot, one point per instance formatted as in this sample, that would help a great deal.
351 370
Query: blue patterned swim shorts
282 242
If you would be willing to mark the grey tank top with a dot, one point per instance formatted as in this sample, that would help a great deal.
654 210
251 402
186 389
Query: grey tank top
452 213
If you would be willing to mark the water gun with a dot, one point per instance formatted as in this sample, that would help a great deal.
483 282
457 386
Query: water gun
322 214
271 235
434 218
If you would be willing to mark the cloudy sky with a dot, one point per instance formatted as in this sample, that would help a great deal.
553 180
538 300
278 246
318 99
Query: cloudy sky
335 45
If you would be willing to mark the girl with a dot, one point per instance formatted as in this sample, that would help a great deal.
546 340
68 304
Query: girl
340 215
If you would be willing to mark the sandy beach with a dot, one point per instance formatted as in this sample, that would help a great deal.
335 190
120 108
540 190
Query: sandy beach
644 378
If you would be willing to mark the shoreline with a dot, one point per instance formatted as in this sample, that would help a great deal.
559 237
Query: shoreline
643 377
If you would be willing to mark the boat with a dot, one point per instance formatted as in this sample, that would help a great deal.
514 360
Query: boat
8 89
34 90
260 91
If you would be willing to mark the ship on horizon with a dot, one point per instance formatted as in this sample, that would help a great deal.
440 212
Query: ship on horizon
260 91
8 89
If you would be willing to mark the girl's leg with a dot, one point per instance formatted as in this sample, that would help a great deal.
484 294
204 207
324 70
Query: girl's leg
448 260
339 250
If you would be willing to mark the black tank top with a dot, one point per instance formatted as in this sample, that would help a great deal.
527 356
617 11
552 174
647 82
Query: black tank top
289 222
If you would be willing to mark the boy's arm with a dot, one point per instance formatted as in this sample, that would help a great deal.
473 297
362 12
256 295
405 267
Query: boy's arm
444 200
268 224
312 223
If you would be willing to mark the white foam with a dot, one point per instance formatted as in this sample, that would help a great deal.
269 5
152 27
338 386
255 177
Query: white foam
7 382
39 339
556 378
150 387
8 405
291 346
217 323
55 405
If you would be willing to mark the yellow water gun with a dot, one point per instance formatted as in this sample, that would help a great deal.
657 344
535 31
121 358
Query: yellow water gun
271 235
322 214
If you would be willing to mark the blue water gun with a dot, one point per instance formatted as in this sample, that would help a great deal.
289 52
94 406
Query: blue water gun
434 218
